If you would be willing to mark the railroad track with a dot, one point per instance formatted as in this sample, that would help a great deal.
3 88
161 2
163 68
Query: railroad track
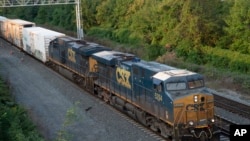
224 125
232 106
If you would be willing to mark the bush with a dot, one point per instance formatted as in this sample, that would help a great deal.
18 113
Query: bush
222 58
100 32
14 122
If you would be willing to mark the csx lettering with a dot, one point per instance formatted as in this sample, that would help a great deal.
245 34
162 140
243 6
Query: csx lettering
71 55
239 132
122 77
158 97
195 107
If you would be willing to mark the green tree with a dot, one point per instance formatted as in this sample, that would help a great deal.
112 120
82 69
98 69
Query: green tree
64 17
89 11
44 15
238 26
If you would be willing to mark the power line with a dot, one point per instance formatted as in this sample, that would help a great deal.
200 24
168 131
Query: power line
77 3
18 3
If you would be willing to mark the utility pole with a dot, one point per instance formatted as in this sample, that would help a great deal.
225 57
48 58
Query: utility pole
78 20
19 3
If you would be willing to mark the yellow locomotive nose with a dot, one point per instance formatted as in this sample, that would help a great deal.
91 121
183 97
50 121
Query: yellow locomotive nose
195 114
196 110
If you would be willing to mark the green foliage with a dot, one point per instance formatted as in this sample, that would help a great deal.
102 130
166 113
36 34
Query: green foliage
238 25
186 26
20 12
157 23
101 32
152 51
62 17
14 122
222 58
44 15
89 11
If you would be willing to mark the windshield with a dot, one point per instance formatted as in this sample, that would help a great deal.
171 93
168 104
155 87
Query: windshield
176 86
195 84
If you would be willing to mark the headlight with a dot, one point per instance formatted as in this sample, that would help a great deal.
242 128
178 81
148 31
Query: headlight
196 98
212 120
191 123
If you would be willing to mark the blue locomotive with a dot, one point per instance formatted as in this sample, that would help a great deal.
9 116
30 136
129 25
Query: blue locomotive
73 55
171 101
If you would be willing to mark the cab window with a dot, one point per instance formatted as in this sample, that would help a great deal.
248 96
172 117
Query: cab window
195 84
158 88
176 86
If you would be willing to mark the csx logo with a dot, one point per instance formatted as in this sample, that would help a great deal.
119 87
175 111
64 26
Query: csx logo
122 77
191 107
71 55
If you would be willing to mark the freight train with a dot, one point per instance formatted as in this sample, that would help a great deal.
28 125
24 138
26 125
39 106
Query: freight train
173 102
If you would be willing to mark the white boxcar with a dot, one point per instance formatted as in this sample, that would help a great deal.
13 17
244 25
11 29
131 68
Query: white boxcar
28 39
14 32
2 29
36 41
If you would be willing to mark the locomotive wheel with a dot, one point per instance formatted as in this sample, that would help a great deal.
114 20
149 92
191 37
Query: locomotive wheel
112 100
106 97
151 122
164 130
49 64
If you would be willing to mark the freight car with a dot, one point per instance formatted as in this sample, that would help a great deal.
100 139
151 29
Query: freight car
171 101
2 29
36 41
14 30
